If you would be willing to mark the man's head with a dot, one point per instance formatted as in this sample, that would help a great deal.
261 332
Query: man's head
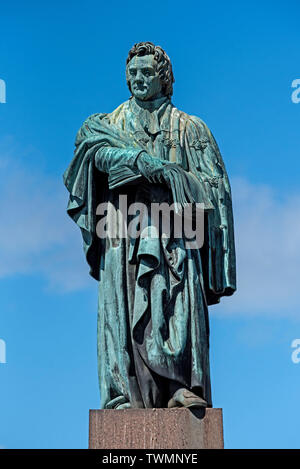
149 72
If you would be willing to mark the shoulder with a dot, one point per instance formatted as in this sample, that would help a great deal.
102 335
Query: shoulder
88 127
193 125
95 119
190 122
92 124
119 112
197 132
92 121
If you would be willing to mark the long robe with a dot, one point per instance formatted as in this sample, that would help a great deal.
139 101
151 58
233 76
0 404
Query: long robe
153 326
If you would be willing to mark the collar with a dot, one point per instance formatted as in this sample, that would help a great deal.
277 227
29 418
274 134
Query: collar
149 113
151 105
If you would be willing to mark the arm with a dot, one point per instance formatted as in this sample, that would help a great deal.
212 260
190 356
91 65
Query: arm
112 151
108 159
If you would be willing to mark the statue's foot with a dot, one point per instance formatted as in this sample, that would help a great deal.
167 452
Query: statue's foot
185 398
125 405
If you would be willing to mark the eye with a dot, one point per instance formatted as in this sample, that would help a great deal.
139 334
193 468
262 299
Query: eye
132 72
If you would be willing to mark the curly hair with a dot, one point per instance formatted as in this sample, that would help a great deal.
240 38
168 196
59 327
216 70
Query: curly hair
164 66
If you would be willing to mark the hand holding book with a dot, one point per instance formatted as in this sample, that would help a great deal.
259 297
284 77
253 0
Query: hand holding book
150 167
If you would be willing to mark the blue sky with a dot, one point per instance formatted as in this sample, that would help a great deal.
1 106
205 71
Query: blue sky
234 65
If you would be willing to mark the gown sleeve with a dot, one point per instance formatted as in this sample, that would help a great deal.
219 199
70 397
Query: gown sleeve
218 253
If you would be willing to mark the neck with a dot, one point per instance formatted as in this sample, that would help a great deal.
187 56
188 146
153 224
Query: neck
151 104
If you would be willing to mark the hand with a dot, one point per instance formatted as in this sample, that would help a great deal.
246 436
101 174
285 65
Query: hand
169 169
150 167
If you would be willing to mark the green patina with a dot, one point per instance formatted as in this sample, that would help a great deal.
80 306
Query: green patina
154 292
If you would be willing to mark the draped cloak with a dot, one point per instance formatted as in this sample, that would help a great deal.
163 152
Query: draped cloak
153 326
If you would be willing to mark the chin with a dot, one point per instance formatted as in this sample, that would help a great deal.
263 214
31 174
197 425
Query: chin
142 96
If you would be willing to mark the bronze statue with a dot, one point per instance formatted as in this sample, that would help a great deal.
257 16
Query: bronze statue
154 291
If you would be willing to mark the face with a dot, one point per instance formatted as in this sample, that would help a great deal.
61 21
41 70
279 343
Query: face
144 80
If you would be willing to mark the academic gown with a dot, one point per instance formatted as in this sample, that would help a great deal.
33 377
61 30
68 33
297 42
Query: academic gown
154 292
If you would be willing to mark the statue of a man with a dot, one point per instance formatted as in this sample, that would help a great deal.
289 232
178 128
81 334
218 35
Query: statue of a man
154 291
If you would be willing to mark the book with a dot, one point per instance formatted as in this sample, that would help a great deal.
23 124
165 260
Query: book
123 175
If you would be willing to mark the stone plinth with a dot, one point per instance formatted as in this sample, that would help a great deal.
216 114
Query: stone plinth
177 428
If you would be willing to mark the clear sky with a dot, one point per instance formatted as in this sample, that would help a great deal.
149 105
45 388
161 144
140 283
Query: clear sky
234 63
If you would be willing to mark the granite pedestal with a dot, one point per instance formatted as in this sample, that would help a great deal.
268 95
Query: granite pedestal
177 428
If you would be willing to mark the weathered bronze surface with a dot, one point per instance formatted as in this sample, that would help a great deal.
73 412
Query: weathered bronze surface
154 291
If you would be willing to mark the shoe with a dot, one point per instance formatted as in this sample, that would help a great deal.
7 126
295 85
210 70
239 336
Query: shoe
185 398
126 405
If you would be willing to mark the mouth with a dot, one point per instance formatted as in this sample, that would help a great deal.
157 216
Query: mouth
140 88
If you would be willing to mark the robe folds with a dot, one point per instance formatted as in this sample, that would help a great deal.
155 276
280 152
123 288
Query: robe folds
153 326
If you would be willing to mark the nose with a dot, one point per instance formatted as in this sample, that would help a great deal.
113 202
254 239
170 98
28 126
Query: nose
139 77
